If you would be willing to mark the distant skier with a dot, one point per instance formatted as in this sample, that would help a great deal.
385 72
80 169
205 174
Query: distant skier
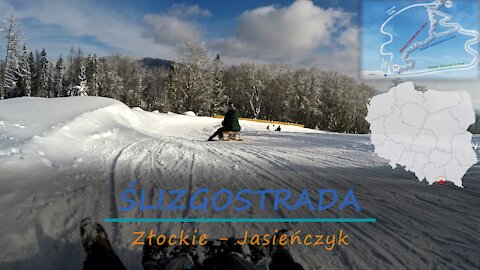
278 128
229 124
268 127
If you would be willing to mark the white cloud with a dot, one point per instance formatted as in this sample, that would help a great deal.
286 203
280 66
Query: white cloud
350 38
295 30
302 34
182 10
170 30
299 27
343 56
176 25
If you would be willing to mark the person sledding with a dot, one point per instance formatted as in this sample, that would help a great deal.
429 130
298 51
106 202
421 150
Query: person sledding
230 126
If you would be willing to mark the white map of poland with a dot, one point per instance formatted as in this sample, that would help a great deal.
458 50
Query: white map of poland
424 132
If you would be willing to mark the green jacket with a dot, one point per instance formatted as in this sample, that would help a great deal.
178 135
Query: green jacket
230 122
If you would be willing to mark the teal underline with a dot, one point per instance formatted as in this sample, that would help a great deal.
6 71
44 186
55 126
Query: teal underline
240 220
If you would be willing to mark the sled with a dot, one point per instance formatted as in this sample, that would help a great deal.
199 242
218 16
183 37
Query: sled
231 135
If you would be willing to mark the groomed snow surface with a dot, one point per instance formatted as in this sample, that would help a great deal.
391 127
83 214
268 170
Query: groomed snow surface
64 159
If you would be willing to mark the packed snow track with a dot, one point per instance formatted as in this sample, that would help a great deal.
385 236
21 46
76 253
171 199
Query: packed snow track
67 158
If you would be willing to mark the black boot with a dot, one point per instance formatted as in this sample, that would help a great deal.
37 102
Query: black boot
218 133
100 254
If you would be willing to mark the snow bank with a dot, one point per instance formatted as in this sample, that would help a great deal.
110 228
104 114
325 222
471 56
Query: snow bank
75 123
24 117
190 113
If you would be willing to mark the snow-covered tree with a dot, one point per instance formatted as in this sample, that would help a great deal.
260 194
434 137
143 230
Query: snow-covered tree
195 73
60 87
104 79
155 89
74 64
33 74
82 88
12 34
43 75
219 98
254 88
171 99
140 89
92 74
25 76
2 78
117 85
51 80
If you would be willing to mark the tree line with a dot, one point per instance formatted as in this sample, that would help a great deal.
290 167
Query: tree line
197 82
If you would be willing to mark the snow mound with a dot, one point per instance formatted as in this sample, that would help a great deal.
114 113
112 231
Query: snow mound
74 122
189 113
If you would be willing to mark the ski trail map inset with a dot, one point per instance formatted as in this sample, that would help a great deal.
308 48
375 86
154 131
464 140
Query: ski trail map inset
438 39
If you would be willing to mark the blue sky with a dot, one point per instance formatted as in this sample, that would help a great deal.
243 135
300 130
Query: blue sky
304 33
298 32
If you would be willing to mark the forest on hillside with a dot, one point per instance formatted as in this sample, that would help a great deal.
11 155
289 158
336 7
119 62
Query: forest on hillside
197 81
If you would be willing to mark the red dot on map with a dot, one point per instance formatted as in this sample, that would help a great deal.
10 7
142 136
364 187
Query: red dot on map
441 180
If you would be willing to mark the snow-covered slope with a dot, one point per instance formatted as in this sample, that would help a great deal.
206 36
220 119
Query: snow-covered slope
67 158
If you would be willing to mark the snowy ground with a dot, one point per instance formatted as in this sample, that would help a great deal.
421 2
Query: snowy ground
67 158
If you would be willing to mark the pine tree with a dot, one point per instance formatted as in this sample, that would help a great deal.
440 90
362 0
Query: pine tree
104 80
51 80
33 74
139 92
92 75
171 99
150 93
25 76
117 85
12 34
2 78
43 75
73 71
82 88
60 87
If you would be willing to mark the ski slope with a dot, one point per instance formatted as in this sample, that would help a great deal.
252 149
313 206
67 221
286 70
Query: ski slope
64 159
